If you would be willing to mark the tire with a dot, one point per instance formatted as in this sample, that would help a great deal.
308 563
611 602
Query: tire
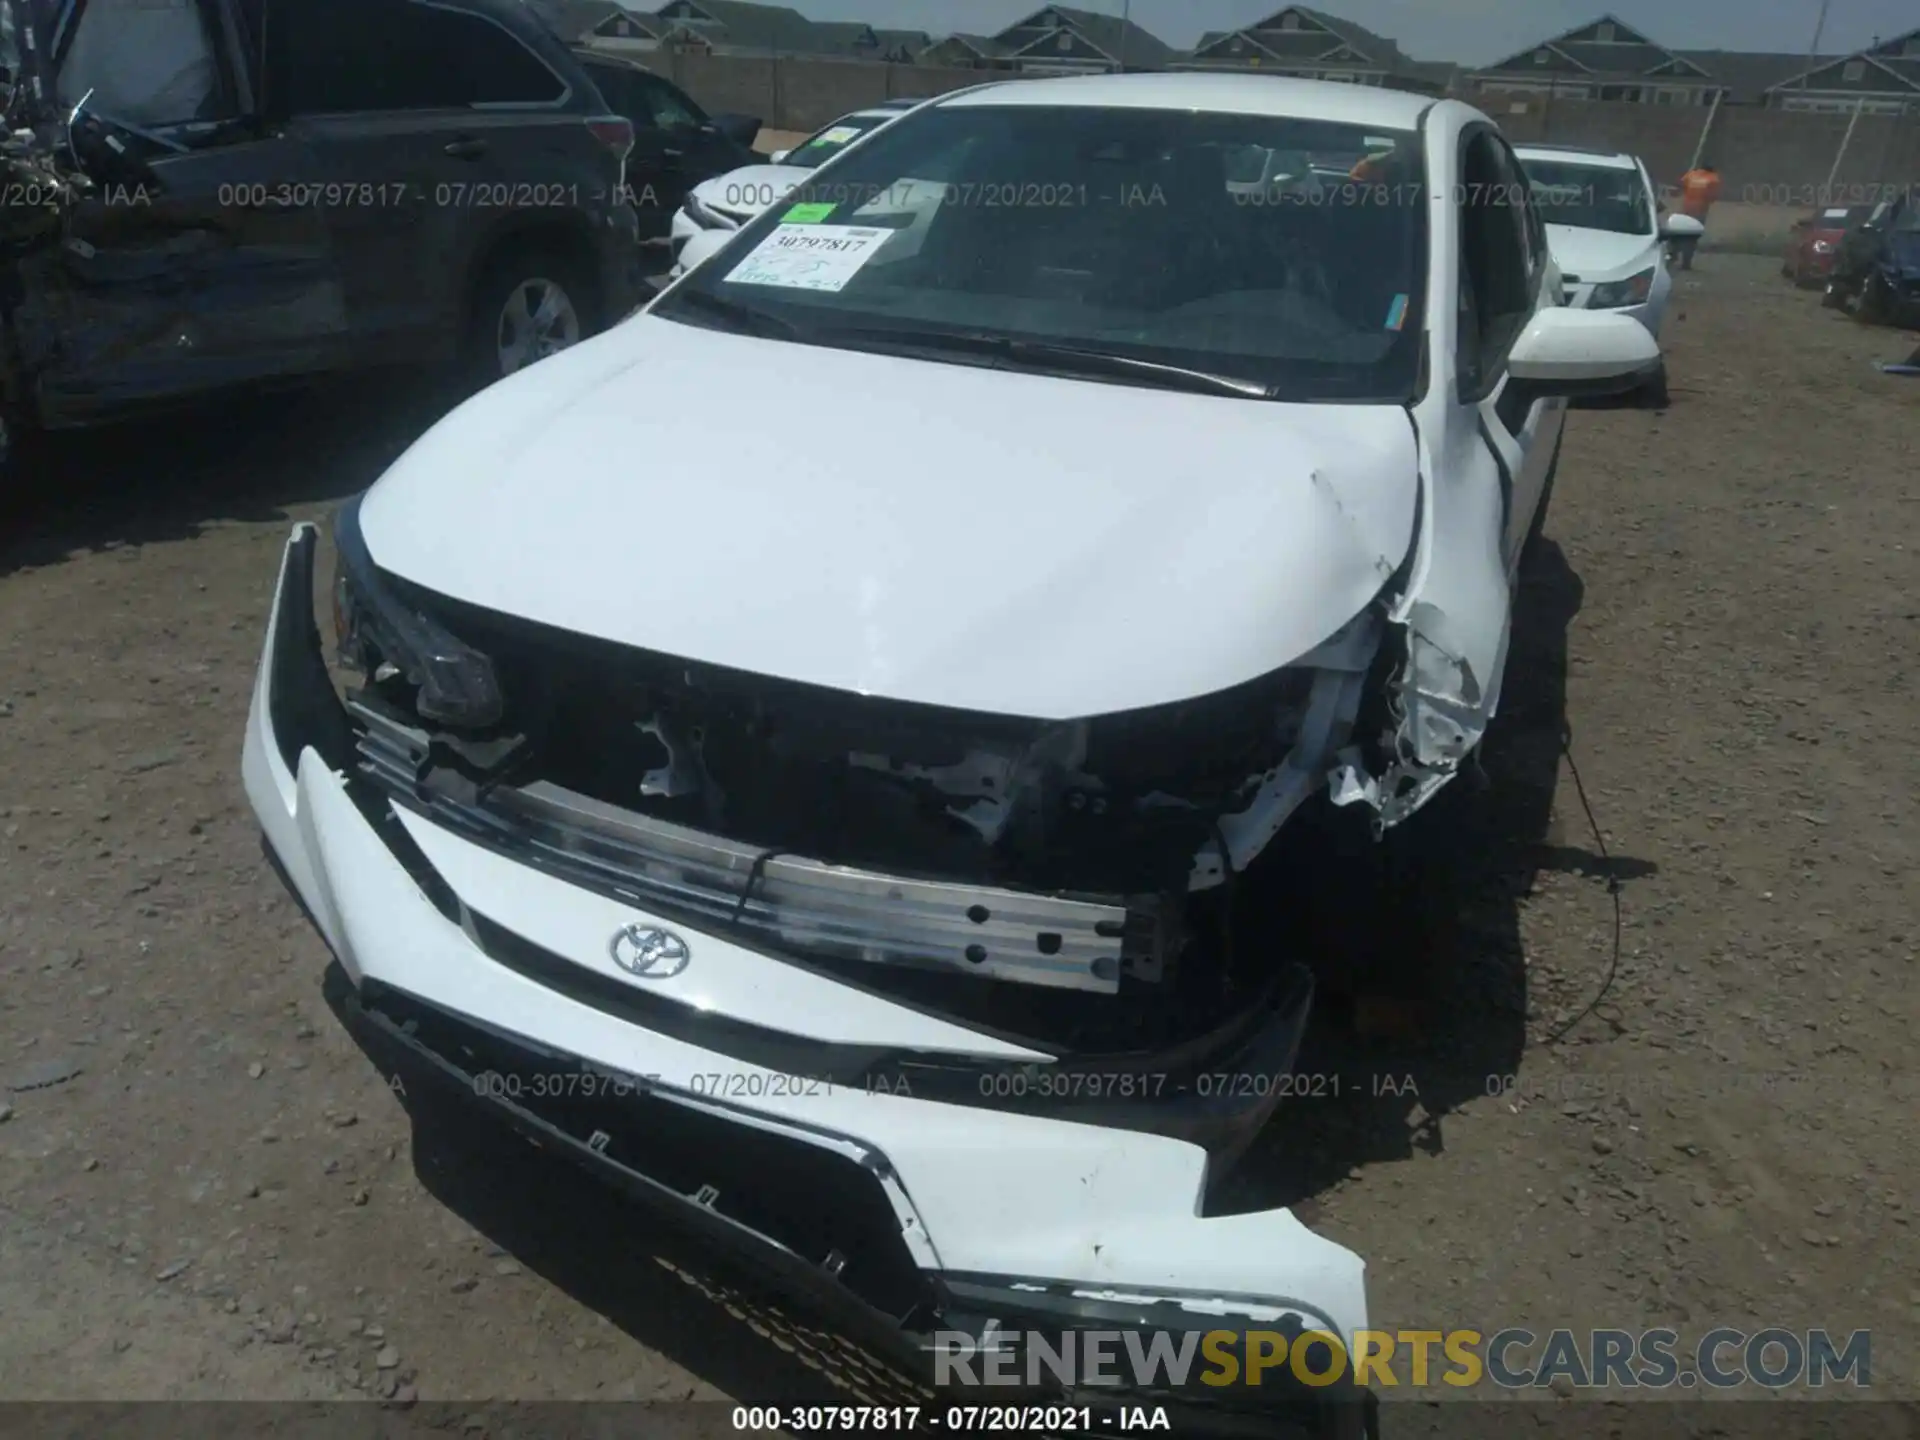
24 478
531 302
1875 304
1655 395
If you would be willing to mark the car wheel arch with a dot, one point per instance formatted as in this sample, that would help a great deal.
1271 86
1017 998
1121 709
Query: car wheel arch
567 234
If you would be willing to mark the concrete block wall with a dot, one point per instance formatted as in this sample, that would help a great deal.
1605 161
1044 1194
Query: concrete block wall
1767 157
804 94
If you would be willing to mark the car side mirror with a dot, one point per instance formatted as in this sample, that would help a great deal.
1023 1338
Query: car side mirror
778 157
1681 227
1578 354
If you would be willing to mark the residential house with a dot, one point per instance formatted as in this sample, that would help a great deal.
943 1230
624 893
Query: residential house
966 52
1057 40
1607 59
857 40
606 25
735 27
1318 46
1883 79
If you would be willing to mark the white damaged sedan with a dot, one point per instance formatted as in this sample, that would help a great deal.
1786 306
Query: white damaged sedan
852 802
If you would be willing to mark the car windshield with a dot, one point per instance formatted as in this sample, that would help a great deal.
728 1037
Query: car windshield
1590 197
823 145
1114 233
1908 220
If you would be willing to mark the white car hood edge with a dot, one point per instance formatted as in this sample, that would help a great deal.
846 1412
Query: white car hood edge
751 188
1597 256
936 533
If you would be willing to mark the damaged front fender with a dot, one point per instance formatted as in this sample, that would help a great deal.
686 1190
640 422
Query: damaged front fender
1455 618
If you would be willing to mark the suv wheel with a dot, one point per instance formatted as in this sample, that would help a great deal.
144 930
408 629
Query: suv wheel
530 304
1876 301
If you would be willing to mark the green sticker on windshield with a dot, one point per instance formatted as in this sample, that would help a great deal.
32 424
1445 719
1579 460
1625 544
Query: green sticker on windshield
807 214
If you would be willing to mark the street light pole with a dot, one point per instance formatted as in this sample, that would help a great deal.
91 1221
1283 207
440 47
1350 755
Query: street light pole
1126 12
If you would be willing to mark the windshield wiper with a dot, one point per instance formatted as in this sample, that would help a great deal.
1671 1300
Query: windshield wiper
1044 355
741 318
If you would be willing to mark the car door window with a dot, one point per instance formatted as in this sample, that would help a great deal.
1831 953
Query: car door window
664 105
346 56
612 83
152 64
1496 279
1533 230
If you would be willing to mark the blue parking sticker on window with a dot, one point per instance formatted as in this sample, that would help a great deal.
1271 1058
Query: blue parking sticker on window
1397 312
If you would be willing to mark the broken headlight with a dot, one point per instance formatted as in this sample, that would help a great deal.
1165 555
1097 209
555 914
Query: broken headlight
376 628
1210 750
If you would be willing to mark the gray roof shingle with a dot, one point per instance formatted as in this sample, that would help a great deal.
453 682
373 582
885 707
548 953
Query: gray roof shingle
1120 39
740 25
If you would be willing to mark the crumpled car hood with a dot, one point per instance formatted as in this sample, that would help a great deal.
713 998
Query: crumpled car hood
939 533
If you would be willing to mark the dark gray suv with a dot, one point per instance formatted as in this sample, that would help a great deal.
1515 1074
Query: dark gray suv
284 188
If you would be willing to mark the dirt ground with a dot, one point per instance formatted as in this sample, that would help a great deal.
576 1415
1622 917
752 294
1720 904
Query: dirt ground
214 1195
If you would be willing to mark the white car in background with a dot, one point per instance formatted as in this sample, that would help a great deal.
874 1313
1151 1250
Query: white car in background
726 202
868 815
1607 235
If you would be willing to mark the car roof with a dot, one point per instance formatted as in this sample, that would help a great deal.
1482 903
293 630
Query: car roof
588 55
1275 95
888 111
1611 159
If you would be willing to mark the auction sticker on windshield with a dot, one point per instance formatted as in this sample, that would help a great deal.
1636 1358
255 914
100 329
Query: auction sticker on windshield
809 257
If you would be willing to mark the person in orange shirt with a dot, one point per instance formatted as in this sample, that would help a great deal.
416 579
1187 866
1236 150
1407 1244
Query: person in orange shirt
1699 188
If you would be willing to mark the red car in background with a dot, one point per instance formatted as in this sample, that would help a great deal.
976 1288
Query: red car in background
1816 239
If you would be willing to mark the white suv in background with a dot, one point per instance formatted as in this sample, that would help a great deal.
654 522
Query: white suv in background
1604 228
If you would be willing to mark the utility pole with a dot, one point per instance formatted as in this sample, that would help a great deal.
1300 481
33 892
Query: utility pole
1841 153
1813 50
1700 148
1126 12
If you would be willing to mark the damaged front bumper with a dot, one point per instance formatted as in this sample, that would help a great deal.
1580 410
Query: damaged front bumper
933 1176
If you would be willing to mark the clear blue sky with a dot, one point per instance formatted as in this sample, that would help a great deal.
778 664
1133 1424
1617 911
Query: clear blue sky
1470 31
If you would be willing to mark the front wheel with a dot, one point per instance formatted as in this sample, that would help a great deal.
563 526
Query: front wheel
1876 301
530 304
1655 393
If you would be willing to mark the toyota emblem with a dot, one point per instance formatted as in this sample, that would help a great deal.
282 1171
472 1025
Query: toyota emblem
648 952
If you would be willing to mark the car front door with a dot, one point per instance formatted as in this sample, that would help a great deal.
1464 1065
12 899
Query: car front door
211 267
687 146
432 122
1500 224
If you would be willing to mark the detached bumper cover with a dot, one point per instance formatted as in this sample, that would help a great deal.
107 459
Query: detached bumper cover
903 1210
